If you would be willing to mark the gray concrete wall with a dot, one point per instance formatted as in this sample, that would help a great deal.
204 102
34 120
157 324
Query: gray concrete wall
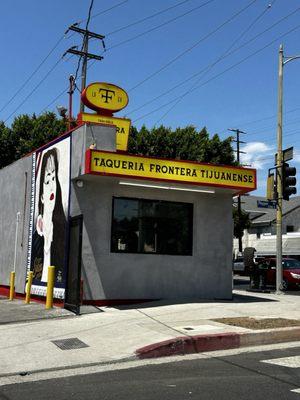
103 137
205 274
12 200
292 218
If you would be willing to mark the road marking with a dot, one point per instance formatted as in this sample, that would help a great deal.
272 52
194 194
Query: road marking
290 362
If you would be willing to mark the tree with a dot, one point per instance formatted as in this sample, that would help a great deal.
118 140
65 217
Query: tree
241 222
7 149
181 143
27 133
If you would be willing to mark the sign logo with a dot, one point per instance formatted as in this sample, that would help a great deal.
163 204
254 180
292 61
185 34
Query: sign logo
100 96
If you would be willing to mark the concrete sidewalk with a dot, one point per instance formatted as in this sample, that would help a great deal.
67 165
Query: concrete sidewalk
17 311
147 330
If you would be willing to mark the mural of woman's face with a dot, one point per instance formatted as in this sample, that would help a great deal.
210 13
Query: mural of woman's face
49 186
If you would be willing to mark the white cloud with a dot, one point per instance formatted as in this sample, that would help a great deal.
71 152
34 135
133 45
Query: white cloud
296 157
257 154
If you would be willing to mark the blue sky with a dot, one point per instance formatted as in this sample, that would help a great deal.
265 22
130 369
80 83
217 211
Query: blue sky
235 42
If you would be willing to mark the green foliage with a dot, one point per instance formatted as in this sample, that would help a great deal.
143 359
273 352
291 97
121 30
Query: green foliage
241 222
28 133
182 143
7 151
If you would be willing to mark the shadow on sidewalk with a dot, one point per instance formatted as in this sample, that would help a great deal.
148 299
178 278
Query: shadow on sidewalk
236 298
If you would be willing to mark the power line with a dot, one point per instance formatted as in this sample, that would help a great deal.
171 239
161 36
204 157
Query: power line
268 127
51 51
34 89
262 159
219 59
203 70
265 119
160 25
96 15
203 4
147 18
106 10
285 135
127 26
192 47
33 73
92 16
222 72
83 53
54 100
154 28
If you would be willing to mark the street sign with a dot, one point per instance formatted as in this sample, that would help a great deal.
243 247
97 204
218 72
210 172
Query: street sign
266 204
287 155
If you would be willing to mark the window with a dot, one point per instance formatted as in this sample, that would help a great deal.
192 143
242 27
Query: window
151 226
290 228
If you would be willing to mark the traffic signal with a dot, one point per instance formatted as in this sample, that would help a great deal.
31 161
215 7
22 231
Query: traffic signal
288 181
271 187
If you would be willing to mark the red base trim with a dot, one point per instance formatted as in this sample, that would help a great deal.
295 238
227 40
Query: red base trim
4 291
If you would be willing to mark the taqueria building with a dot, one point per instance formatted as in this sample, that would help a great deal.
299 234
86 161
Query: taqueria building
117 227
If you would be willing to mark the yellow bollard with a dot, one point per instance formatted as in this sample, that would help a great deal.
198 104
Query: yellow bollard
50 287
28 287
12 285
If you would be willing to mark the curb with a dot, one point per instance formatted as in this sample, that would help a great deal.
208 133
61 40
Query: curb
203 343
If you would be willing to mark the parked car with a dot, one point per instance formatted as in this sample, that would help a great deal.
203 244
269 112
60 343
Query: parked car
290 272
238 266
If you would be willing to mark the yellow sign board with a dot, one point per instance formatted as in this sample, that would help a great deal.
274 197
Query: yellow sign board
104 96
122 125
114 164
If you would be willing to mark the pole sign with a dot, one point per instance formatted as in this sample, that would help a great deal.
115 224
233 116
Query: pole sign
106 99
101 96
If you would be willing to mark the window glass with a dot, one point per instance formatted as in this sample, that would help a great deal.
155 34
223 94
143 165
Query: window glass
151 226
291 264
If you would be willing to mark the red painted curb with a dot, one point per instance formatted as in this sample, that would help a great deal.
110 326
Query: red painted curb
190 344
222 341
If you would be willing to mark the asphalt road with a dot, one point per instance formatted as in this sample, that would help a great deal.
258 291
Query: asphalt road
235 377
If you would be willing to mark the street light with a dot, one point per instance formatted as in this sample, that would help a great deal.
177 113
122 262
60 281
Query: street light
282 61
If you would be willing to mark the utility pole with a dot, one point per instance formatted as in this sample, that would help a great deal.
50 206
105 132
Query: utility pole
70 92
83 53
279 177
238 151
279 168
